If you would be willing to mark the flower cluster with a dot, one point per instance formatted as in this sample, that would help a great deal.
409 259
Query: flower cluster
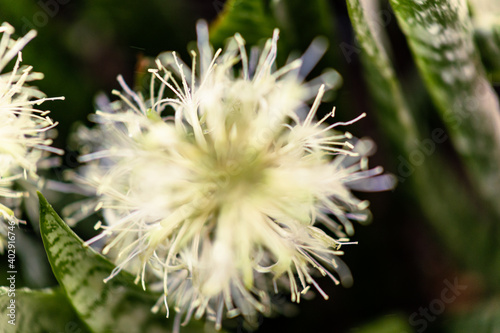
217 187
23 128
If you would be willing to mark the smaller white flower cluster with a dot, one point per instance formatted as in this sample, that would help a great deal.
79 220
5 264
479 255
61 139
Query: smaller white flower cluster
23 128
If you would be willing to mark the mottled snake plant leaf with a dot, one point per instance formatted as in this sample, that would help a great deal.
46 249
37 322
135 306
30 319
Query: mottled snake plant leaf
116 306
395 114
441 38
435 185
35 312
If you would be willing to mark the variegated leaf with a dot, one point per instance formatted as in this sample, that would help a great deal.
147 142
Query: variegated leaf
435 184
440 36
116 306
37 311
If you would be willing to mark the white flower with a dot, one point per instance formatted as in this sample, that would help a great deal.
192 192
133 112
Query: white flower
23 128
217 185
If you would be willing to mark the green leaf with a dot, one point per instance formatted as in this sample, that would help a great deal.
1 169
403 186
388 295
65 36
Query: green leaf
484 317
486 21
116 306
251 18
255 20
438 188
394 113
33 311
440 36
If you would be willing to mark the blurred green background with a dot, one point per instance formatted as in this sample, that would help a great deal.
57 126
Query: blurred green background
438 227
